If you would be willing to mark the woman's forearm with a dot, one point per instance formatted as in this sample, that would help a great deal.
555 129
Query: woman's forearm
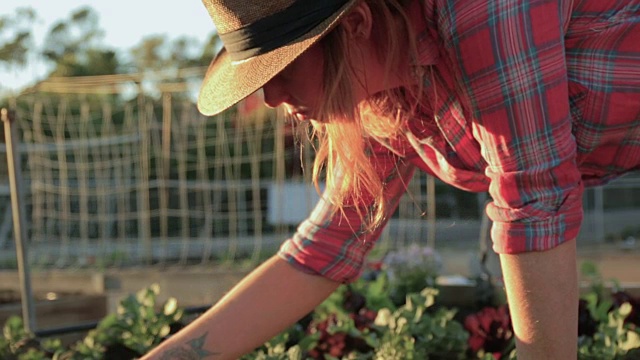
542 289
266 302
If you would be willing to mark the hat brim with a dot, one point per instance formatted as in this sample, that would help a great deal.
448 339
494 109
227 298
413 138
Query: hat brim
227 82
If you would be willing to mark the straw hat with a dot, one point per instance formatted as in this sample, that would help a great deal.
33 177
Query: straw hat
260 39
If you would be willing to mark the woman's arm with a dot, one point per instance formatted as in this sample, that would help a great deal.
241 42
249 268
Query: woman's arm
542 289
266 302
276 294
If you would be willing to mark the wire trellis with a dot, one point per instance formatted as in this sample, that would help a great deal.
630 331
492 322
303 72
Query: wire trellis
153 182
150 182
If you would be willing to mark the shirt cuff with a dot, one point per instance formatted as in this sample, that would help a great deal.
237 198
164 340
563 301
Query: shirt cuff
337 261
541 234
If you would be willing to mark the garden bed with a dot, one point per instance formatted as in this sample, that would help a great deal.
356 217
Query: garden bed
53 310
397 310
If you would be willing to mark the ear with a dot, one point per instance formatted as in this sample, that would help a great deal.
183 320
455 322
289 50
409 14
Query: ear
358 21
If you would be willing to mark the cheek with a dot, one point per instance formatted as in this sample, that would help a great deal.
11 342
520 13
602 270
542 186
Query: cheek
306 77
315 83
316 87
308 89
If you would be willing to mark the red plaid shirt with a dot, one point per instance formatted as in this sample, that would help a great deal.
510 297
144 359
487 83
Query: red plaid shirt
533 101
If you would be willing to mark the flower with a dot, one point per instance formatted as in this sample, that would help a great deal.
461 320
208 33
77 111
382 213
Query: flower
490 330
410 270
411 259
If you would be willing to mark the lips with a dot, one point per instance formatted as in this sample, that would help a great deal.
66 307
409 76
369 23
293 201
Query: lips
299 114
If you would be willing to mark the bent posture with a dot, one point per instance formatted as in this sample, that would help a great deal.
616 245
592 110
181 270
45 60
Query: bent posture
530 100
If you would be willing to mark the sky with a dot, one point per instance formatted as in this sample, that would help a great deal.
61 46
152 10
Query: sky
125 24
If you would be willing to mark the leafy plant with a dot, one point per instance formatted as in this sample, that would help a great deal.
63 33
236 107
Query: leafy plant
587 324
17 344
276 349
633 318
411 332
135 329
613 340
357 322
340 326
353 324
607 329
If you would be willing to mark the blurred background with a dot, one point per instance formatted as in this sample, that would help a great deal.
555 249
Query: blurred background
45 40
124 183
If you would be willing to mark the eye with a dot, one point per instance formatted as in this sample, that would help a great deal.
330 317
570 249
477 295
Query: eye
287 73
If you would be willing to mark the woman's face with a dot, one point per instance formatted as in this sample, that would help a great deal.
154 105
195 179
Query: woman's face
299 86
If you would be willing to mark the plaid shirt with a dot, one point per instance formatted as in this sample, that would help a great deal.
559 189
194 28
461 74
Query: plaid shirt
533 100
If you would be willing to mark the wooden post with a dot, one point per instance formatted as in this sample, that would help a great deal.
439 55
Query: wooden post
144 221
19 230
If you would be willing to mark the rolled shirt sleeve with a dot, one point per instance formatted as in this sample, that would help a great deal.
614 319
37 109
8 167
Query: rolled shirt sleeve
335 244
508 58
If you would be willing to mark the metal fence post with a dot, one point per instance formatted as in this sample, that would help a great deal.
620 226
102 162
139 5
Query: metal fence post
431 211
598 214
19 229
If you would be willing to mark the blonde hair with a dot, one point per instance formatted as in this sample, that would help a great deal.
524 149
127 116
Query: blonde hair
345 129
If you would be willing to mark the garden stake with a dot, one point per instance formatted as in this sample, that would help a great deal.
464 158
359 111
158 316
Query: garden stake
19 231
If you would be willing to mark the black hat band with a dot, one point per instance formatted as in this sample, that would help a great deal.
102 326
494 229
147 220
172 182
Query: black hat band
278 29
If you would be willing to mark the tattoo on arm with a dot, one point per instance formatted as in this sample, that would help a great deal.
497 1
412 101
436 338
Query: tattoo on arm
192 350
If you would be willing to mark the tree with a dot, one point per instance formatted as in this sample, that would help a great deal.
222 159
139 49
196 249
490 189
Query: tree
210 50
162 60
156 52
15 37
73 46
148 54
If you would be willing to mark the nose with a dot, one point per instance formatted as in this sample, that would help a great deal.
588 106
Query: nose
274 93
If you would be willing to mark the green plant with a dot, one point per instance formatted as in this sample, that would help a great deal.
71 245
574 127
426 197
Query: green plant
17 344
375 291
357 322
604 328
133 330
411 332
276 349
339 326
613 339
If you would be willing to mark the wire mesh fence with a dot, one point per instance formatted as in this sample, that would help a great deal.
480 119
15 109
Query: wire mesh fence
143 183
152 182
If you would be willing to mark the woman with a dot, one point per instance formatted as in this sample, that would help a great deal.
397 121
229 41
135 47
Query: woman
529 100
